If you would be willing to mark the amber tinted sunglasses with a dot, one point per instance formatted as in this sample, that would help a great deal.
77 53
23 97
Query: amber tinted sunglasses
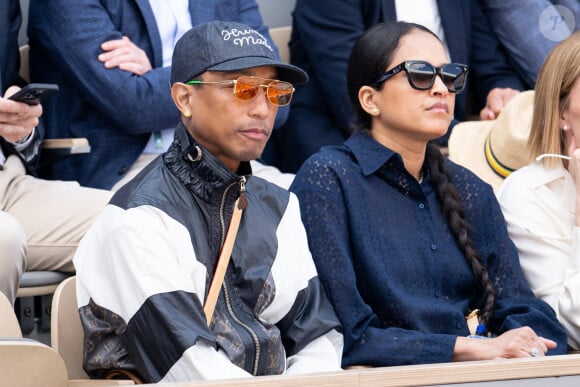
246 88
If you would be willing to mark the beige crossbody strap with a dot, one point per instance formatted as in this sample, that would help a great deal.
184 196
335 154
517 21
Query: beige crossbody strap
223 260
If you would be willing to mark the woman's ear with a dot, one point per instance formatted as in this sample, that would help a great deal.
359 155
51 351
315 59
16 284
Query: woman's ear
366 97
181 95
564 122
565 118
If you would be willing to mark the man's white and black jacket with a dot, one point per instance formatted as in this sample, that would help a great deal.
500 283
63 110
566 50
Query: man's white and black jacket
144 268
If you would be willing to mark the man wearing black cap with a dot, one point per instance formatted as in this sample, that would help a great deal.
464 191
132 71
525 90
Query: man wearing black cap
146 271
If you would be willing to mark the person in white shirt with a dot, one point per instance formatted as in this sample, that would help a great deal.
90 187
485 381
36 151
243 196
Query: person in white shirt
541 202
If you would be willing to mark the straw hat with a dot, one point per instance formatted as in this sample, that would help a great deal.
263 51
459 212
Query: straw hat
492 149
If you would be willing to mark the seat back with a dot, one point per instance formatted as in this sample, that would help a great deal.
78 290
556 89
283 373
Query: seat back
66 333
24 70
34 299
9 326
281 37
67 337
27 362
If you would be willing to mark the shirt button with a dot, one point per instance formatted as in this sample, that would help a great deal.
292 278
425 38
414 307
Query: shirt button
421 205
436 294
122 170
459 325
433 247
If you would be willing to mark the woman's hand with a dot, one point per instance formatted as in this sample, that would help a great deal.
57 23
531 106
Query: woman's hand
516 343
574 168
574 154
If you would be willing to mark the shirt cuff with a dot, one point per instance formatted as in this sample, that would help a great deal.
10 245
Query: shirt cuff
25 142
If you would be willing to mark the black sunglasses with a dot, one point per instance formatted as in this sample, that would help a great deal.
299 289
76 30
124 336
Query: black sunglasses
421 75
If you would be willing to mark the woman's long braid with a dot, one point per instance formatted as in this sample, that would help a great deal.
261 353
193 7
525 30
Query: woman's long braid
455 215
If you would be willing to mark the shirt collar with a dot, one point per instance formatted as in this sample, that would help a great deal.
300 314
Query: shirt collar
543 176
370 154
557 180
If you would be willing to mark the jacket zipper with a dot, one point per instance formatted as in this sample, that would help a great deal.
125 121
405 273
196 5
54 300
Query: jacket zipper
243 203
242 324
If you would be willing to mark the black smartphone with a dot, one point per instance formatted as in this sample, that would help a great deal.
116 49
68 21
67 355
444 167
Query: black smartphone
32 92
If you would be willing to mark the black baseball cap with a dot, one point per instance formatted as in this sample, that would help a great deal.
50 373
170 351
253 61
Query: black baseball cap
227 46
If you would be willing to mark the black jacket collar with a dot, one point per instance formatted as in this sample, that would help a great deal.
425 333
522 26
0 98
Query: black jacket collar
198 169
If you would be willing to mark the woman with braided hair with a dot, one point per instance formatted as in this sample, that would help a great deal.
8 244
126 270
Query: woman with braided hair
407 243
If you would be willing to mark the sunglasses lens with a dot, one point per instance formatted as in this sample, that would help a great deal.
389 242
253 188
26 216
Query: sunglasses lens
246 88
421 75
454 77
280 93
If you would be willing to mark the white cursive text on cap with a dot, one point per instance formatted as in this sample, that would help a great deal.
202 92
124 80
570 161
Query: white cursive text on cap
242 37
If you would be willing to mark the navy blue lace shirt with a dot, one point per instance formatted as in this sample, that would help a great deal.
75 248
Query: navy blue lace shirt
392 268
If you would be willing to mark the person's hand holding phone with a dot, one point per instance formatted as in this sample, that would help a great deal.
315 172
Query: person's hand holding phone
17 119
